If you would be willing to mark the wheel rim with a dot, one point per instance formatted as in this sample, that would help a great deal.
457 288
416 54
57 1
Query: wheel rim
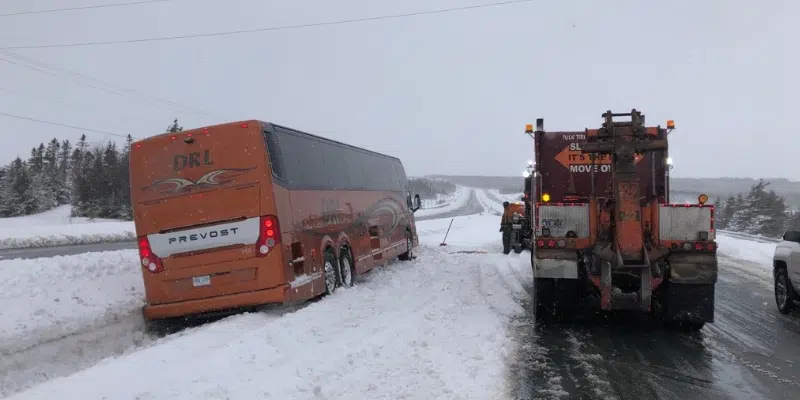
410 245
347 273
330 277
780 291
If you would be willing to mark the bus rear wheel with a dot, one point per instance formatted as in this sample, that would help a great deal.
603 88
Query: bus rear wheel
409 254
331 271
346 270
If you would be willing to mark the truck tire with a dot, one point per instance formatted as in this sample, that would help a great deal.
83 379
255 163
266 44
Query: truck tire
517 246
784 292
554 298
542 298
686 305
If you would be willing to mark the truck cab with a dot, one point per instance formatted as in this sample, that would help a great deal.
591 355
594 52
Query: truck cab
786 271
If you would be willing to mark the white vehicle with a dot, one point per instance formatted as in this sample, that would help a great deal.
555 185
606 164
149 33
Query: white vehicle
786 271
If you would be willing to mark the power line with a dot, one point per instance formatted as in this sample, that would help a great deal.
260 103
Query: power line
73 105
41 121
274 28
98 84
53 10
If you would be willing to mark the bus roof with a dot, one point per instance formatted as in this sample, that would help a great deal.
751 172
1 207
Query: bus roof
324 139
270 124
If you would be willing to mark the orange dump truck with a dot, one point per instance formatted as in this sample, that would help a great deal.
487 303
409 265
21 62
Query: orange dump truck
606 236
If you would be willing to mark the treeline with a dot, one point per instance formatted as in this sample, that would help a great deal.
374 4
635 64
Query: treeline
93 179
759 212
512 189
429 189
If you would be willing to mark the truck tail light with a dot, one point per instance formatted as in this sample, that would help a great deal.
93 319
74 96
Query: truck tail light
695 246
149 260
269 235
551 243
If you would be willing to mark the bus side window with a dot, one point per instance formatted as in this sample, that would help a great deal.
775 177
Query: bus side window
275 160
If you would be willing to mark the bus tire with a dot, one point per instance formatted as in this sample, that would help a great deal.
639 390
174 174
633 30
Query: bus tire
330 269
346 269
409 254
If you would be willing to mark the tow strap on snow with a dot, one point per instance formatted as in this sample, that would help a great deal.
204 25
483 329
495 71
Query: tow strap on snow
470 252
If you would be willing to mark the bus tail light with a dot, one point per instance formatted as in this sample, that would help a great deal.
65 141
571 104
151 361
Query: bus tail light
269 235
149 260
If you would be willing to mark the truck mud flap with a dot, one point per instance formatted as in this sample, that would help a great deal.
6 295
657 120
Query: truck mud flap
696 269
690 302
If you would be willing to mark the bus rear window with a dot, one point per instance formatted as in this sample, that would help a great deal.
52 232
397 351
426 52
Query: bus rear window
275 157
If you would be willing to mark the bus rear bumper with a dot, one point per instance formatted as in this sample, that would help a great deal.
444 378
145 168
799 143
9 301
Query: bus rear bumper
274 295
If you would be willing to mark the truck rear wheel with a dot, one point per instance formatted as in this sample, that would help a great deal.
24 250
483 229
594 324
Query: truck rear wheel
554 298
517 243
784 292
684 304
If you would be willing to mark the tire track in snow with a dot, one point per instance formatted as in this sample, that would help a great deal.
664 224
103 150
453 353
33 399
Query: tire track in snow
488 204
532 372
64 355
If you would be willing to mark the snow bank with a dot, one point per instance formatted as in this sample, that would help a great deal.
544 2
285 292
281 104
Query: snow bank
748 250
48 298
491 205
57 216
56 227
748 258
436 327
441 200
457 201
494 193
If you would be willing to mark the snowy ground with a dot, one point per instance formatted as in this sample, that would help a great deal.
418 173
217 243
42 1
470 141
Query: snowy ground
491 205
494 193
436 327
747 258
44 299
56 227
441 200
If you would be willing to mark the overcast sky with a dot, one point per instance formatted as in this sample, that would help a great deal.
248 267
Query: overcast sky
447 93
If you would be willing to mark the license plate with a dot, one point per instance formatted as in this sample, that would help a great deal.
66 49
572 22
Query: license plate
204 280
516 226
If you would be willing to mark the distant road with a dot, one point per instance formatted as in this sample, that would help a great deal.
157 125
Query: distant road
472 206
39 252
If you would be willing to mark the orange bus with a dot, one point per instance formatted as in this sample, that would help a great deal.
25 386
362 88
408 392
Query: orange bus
252 213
